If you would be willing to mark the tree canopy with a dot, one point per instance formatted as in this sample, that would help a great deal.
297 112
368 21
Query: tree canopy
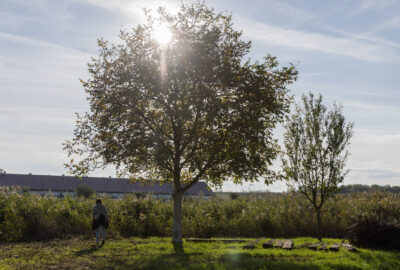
193 109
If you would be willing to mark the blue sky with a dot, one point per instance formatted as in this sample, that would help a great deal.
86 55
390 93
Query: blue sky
347 50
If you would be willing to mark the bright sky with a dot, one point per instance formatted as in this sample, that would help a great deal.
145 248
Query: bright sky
347 50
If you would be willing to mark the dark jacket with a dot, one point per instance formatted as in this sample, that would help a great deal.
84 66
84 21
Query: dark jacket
101 221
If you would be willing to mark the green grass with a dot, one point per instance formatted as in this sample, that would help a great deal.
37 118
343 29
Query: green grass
157 253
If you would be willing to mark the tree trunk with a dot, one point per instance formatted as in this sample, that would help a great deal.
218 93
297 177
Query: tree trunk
177 223
319 225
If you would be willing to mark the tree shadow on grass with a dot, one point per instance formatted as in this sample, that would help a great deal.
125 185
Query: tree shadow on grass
195 261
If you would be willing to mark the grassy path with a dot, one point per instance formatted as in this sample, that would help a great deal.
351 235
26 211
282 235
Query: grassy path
157 253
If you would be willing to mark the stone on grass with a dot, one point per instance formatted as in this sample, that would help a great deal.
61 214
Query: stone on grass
278 244
334 247
269 244
288 244
324 247
314 246
304 245
251 245
349 247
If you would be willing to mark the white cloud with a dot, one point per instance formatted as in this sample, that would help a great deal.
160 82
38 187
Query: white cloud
46 73
38 115
289 12
374 157
390 24
135 6
374 176
311 74
368 37
381 138
30 153
378 4
381 109
370 93
43 44
343 46
22 14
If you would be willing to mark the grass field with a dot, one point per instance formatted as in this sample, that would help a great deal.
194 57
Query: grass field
157 253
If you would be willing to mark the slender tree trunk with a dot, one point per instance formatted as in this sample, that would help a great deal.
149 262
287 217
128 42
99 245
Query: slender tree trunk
177 223
319 224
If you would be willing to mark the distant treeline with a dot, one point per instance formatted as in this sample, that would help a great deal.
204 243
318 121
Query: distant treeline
345 189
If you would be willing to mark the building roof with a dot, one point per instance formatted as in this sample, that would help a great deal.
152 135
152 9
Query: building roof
100 184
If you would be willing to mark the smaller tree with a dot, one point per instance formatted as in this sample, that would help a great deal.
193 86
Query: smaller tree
84 191
316 141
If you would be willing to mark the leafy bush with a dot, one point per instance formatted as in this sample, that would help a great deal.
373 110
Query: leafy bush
84 191
233 196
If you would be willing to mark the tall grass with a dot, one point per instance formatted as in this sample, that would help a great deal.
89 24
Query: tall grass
25 216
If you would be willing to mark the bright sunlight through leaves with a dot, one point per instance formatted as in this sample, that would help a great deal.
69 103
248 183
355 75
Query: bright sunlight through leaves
162 34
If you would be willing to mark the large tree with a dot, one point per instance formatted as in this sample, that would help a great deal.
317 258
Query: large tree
316 141
193 109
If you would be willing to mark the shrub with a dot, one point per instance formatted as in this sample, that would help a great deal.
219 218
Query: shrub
233 196
84 191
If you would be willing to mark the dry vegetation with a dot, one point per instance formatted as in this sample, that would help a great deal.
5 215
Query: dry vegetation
25 217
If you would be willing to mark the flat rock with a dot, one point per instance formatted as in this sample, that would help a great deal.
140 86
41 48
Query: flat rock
251 245
349 247
304 245
278 244
314 246
269 244
324 247
288 244
334 247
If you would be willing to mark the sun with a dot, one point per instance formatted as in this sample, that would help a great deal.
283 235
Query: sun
162 34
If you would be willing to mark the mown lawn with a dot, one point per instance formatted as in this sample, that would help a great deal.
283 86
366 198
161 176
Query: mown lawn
157 253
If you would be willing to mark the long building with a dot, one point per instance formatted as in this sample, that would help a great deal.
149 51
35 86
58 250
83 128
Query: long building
115 187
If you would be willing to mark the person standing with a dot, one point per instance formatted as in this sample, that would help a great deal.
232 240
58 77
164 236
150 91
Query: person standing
100 220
